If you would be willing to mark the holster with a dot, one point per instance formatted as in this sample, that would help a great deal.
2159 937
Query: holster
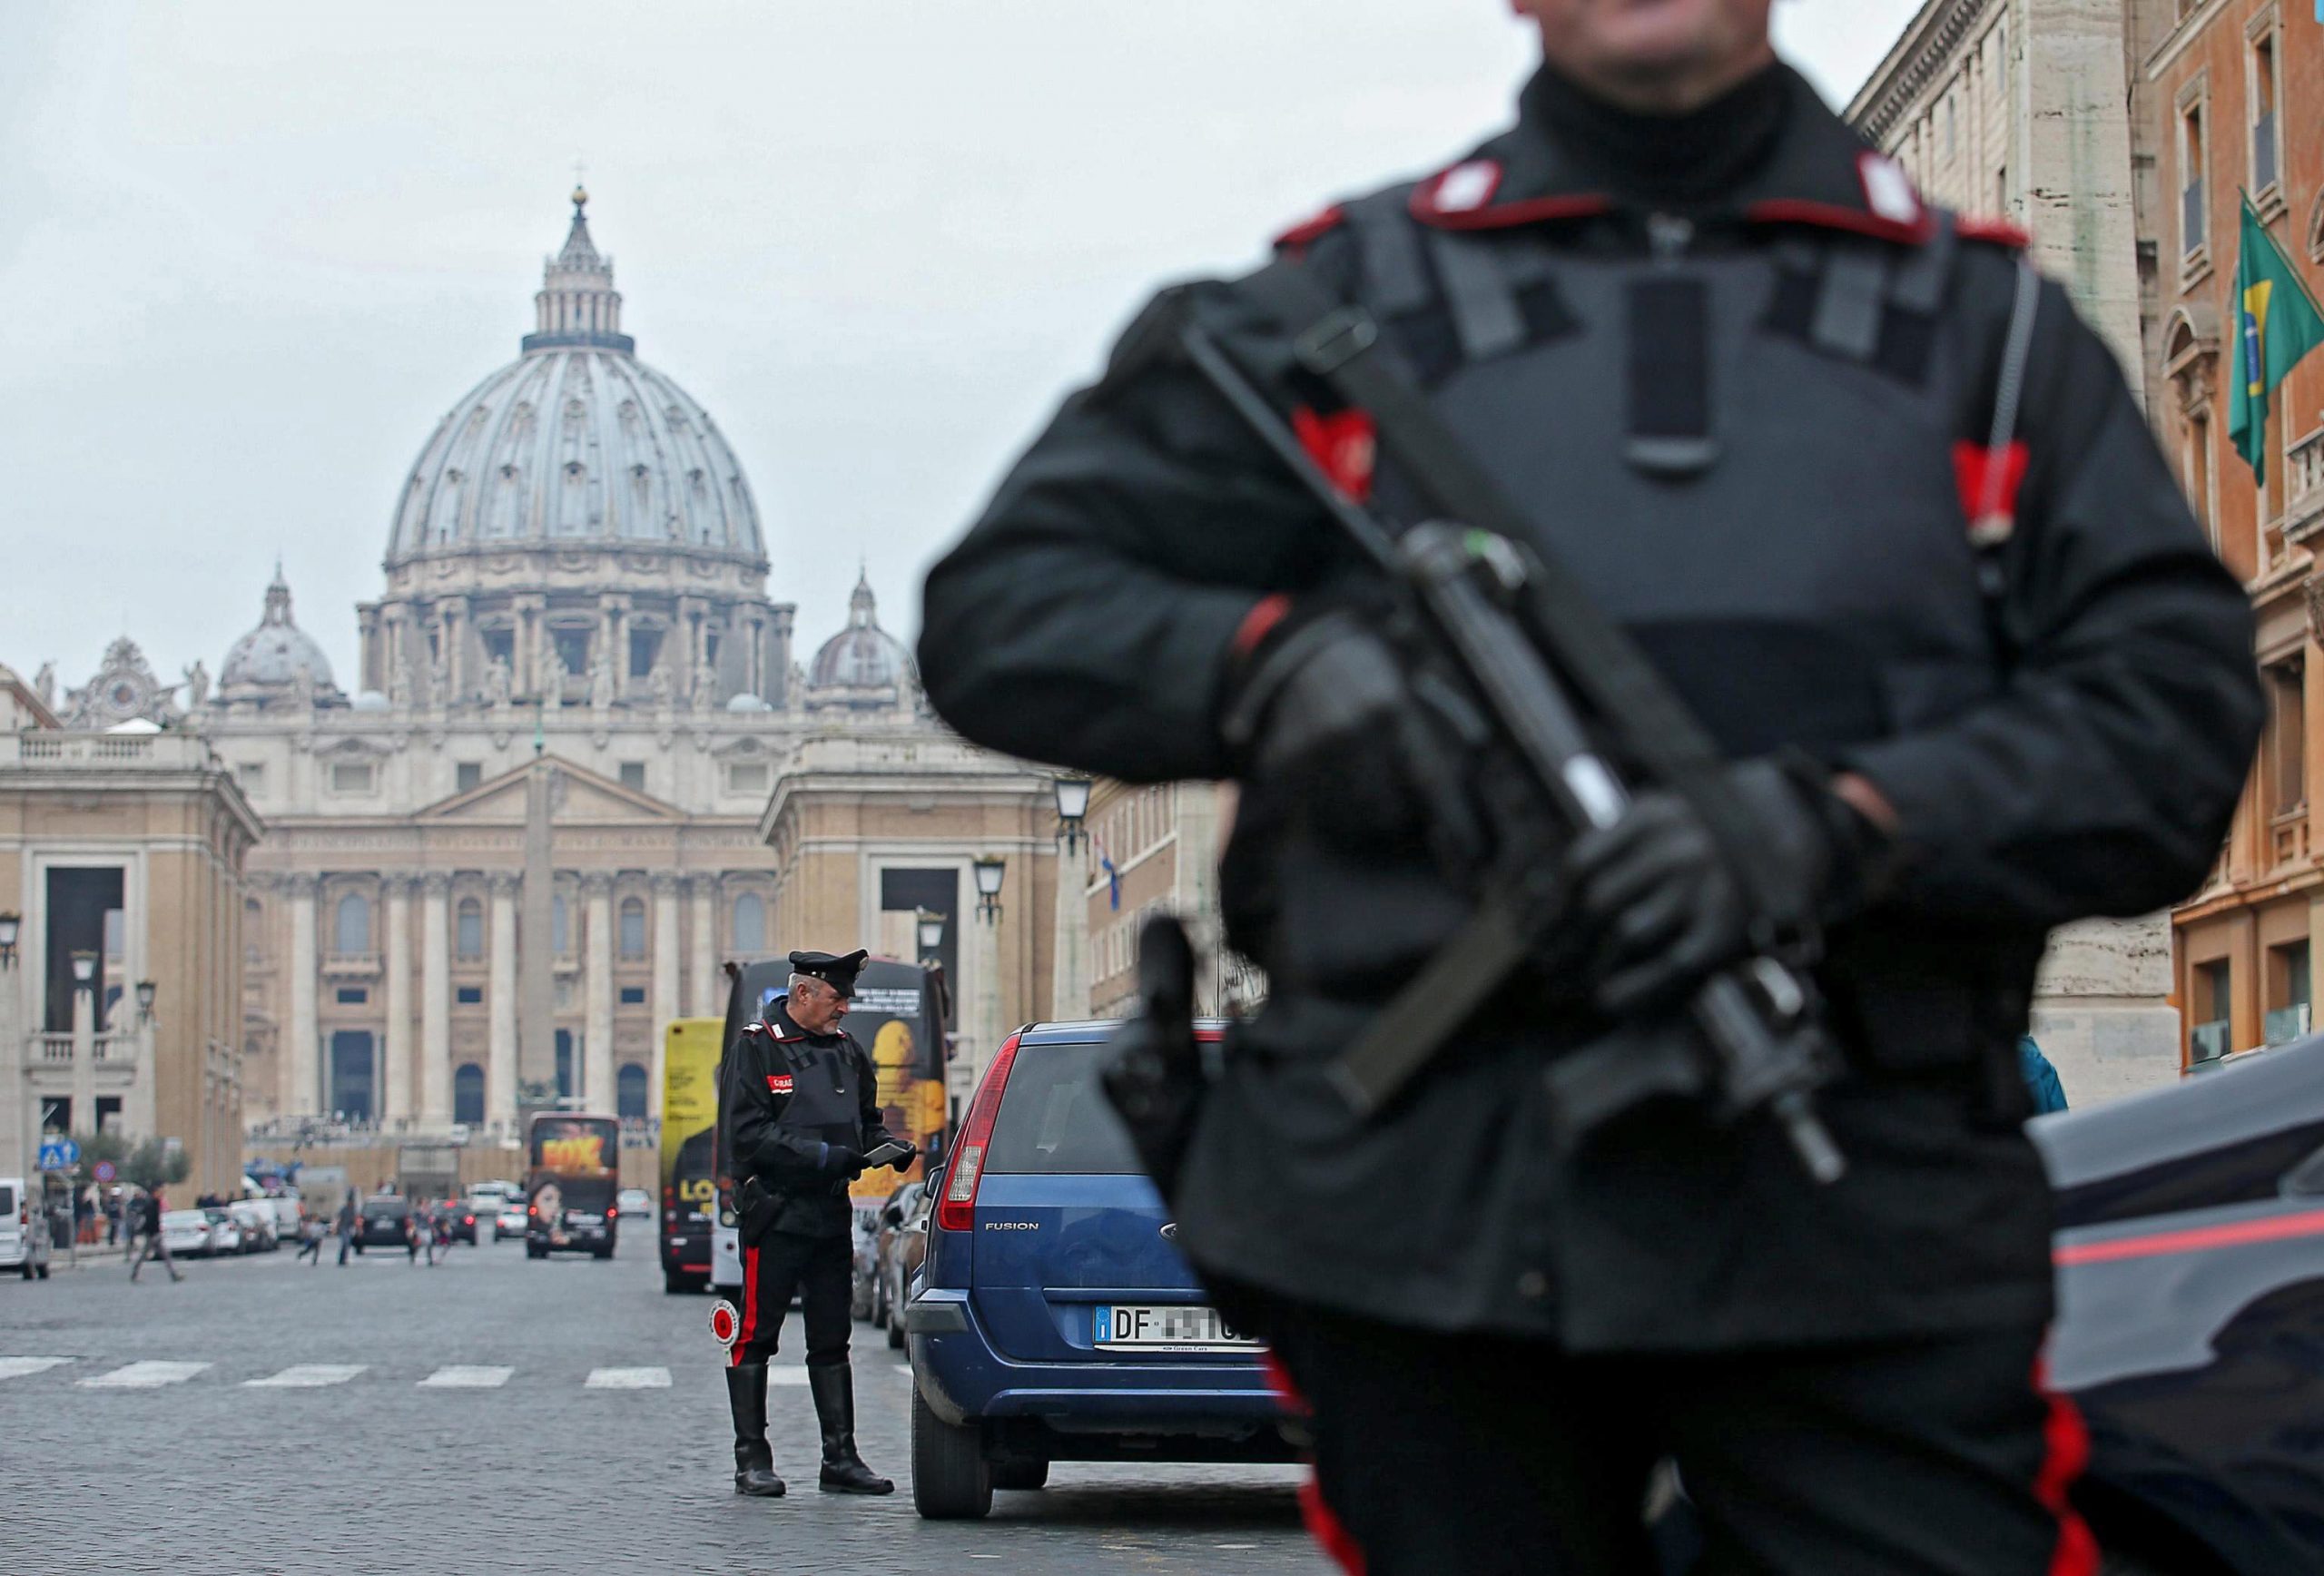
1155 1078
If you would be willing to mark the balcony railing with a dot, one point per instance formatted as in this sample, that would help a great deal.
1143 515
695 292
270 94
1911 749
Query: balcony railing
349 965
2285 1024
2289 836
2304 487
105 1050
2209 1041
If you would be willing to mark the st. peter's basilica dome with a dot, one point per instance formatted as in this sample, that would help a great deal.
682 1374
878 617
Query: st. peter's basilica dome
862 664
577 443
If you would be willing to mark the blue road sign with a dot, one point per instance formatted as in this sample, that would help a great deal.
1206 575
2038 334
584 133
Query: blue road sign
59 1153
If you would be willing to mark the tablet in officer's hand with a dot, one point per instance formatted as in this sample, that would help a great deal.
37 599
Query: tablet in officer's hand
894 1152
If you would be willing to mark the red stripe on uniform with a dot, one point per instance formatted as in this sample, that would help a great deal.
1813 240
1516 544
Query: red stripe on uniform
2065 1451
1331 1534
2309 1223
750 1306
1973 474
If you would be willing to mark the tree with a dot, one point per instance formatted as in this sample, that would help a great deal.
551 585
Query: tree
153 1163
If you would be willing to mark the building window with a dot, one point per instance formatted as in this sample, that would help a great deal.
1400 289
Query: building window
466 775
353 995
467 1094
468 931
2199 472
632 996
633 775
351 929
645 650
572 649
2266 150
746 777
353 776
469 996
2285 748
633 927
629 1092
2193 187
500 645
2211 1000
2289 993
251 775
750 924
560 933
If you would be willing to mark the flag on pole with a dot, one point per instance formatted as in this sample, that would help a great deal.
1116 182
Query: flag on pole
2277 323
1113 875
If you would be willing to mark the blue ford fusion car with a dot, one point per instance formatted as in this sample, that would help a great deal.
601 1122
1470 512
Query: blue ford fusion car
1055 1319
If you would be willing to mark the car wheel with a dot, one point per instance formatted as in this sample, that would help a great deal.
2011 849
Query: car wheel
951 1479
895 1333
1021 1475
605 1252
673 1283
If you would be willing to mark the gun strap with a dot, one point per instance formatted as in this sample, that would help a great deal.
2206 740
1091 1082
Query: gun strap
1340 343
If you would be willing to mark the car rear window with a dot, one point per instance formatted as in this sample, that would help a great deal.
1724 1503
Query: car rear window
1054 1118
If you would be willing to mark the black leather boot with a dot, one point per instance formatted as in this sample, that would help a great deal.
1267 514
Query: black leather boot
843 1470
753 1461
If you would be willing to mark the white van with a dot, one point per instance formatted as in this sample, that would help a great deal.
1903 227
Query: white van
23 1231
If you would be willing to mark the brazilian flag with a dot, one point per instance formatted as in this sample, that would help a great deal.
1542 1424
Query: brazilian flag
2276 323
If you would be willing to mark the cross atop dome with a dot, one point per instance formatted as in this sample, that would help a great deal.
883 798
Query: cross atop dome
578 304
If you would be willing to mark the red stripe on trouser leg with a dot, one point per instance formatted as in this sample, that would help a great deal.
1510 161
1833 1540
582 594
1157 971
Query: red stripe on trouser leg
2065 1451
1331 1534
1279 1380
750 1307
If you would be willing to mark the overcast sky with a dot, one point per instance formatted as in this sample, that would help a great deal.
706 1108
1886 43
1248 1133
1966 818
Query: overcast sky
251 253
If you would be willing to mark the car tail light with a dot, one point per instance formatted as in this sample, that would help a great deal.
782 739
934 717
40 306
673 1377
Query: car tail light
612 1213
957 1212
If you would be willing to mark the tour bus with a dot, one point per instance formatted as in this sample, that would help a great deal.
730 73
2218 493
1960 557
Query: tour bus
897 1015
689 1114
573 1170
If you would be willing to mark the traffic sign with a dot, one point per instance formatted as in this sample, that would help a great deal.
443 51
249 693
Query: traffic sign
59 1153
103 1171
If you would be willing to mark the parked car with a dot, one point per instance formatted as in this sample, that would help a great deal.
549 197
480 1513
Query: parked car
634 1204
508 1220
383 1222
456 1221
904 1247
186 1233
255 1220
864 1258
25 1240
1055 1318
226 1233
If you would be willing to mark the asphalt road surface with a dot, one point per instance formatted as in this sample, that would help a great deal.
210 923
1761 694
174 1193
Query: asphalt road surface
498 1415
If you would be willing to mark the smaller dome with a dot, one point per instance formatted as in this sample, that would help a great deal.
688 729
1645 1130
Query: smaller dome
748 703
371 701
269 656
862 656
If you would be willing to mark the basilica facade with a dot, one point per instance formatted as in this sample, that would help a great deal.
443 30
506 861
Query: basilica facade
574 606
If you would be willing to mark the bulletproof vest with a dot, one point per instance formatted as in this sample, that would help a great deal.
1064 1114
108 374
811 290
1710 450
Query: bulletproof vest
825 1099
1740 440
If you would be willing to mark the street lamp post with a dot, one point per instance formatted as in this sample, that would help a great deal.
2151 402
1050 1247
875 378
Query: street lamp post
141 1118
989 869
1069 974
84 1041
14 1130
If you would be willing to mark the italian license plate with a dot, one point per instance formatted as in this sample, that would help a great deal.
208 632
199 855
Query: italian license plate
1118 1327
582 1220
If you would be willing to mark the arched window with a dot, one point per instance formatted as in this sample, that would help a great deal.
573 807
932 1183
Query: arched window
629 1092
467 1094
470 941
351 931
560 940
633 927
750 924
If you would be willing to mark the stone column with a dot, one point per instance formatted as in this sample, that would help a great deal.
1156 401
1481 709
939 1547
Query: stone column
707 1001
664 994
1069 987
597 1051
500 1068
302 1093
85 1058
395 1093
19 1144
436 1000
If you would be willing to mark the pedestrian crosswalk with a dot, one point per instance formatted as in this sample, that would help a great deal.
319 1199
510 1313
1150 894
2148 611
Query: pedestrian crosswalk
149 1374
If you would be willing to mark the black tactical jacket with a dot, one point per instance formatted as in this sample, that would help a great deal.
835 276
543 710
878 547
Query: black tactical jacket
2072 745
792 1099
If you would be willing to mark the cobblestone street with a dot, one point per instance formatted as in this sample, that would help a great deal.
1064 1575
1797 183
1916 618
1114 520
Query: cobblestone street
495 1414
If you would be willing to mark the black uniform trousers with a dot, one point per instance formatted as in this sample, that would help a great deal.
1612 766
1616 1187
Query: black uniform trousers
820 1271
1937 1456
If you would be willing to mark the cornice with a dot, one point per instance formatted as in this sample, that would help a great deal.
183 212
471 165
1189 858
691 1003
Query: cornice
1927 46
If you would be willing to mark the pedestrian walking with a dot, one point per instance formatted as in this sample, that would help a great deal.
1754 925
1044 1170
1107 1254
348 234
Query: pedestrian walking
1842 475
156 1244
310 1239
804 1121
419 1235
347 1218
112 1218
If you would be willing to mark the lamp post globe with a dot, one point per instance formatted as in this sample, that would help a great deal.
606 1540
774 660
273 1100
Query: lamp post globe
84 966
989 870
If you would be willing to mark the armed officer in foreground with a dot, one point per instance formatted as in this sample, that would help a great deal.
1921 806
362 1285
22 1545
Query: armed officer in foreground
1875 504
802 1115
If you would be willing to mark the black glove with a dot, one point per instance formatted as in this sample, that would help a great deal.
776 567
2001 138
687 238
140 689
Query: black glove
841 1158
1324 709
1661 908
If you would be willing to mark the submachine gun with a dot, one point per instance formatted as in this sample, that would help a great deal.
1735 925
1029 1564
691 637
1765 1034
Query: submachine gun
1489 607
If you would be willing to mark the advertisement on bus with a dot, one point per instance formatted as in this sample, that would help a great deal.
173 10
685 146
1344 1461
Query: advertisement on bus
689 1181
573 1173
